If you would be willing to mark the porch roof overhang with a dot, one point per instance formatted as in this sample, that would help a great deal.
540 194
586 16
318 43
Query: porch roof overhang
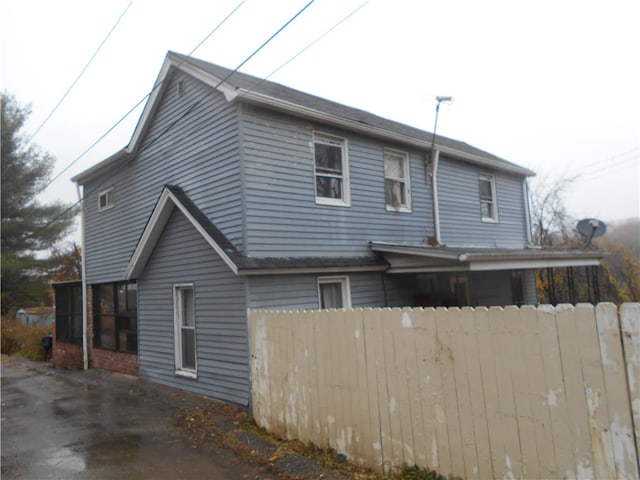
423 258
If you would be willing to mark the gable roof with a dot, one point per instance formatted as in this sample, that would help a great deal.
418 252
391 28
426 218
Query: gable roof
243 87
174 197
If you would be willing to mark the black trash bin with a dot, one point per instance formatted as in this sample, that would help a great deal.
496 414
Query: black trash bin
47 345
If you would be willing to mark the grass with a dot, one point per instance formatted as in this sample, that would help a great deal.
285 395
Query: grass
22 340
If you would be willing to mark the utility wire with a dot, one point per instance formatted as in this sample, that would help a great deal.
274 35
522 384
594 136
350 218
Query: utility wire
305 48
185 114
84 69
155 87
209 92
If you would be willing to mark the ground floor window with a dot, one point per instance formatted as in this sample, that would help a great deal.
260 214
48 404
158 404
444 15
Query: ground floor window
115 316
334 292
185 329
68 298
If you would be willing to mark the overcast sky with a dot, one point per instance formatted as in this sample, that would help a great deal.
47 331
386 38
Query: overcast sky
553 85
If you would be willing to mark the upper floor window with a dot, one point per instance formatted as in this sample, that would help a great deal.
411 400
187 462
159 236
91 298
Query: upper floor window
488 199
331 170
396 180
334 292
105 199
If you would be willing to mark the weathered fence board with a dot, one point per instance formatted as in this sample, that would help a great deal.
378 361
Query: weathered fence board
481 393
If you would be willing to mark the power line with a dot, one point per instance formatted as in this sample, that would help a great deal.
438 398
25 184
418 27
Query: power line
306 48
145 97
209 92
185 114
73 84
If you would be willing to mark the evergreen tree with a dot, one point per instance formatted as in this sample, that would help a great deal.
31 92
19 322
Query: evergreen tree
27 225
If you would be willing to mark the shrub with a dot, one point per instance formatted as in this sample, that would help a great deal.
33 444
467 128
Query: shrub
23 340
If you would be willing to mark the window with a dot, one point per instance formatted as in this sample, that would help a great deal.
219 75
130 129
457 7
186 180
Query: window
488 202
185 330
105 200
115 316
333 292
331 170
69 312
396 180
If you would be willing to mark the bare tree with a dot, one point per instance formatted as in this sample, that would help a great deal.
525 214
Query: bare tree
552 224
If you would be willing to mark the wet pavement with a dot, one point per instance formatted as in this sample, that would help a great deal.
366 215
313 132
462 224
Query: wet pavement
58 424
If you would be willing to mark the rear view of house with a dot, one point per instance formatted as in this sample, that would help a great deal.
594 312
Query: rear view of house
237 193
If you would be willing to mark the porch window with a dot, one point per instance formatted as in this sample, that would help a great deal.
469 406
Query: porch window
115 316
68 299
331 170
488 202
396 180
185 330
334 292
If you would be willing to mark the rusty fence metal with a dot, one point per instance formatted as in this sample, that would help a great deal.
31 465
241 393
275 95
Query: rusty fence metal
515 392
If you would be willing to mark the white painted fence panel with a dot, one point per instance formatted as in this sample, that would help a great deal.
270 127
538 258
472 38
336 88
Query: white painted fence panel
480 393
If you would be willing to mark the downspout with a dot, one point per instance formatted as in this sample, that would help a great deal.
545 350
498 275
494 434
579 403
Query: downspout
85 353
527 210
435 154
435 157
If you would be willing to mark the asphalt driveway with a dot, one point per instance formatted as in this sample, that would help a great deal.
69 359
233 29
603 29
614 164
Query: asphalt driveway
58 424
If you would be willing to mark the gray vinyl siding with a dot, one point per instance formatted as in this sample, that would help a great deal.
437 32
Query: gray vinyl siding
183 256
200 153
282 216
301 291
460 214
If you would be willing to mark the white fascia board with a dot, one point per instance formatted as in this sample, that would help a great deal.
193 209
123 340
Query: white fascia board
429 252
153 231
532 264
380 132
150 236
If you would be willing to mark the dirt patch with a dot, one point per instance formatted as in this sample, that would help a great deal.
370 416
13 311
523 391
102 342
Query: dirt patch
223 428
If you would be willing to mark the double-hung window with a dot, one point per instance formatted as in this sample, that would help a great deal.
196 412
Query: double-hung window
334 292
331 170
105 199
396 180
488 200
185 329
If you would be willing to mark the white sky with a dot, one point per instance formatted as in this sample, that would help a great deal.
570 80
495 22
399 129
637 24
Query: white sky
553 85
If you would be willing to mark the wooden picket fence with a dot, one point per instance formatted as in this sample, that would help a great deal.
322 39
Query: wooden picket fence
530 392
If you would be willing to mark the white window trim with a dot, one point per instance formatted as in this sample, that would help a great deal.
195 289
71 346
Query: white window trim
407 182
346 289
180 371
494 197
110 204
328 139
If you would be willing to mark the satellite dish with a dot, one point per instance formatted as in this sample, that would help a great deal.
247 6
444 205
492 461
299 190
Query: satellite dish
591 228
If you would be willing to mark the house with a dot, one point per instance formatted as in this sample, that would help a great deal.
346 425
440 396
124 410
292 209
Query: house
36 316
237 193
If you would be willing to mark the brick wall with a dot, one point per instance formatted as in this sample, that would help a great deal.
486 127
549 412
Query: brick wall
114 361
67 355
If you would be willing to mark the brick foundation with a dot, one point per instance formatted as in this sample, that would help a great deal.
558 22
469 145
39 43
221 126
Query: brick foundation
114 361
67 355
